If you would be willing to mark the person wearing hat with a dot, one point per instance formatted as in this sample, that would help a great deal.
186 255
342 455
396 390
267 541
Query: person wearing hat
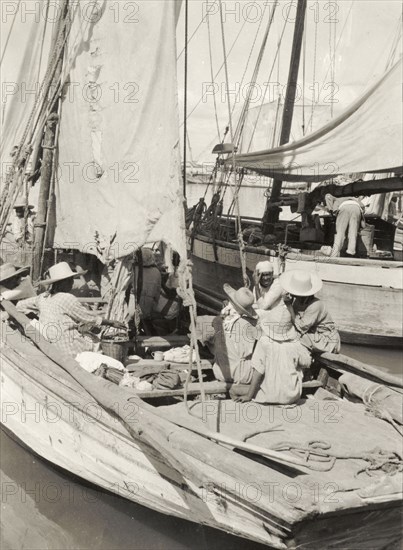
235 337
23 226
62 316
309 314
15 285
278 359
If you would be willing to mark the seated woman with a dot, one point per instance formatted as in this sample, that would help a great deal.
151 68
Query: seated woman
309 314
277 362
61 315
235 337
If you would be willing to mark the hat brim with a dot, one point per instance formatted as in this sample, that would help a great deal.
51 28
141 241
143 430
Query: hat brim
286 283
21 271
72 276
23 206
230 292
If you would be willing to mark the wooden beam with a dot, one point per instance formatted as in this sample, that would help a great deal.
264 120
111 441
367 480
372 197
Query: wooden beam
343 363
356 188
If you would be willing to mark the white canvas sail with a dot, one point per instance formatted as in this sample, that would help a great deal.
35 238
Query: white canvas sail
367 137
119 168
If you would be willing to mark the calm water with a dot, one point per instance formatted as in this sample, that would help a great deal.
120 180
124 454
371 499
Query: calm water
43 508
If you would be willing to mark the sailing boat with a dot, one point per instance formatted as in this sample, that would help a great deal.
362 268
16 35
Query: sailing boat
200 467
364 294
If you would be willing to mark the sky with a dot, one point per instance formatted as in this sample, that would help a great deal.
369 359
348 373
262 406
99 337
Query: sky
357 35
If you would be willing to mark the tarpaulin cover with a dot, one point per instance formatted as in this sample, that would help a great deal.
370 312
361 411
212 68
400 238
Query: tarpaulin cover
367 137
119 183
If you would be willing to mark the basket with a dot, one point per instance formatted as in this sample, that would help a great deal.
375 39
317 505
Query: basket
116 349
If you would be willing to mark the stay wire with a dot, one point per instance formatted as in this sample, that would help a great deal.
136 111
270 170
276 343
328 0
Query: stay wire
265 92
235 195
212 77
219 70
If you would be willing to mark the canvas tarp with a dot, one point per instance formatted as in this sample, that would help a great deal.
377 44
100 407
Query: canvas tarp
118 183
367 137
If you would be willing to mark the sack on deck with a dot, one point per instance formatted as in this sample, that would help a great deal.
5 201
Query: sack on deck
167 380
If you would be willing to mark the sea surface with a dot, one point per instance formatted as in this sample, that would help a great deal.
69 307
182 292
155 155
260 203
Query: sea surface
44 508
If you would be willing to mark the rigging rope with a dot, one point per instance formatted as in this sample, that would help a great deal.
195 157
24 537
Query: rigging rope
255 74
265 92
195 31
212 76
185 98
7 201
43 40
327 72
315 49
220 69
236 198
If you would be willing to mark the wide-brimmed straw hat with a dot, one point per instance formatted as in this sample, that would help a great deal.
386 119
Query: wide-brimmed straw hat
242 300
60 272
22 203
7 271
301 283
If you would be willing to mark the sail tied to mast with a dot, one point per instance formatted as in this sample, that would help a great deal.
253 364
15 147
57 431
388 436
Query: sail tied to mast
119 166
366 137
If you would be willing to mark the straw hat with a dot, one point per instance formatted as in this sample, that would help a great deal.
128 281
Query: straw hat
60 272
21 203
242 300
7 271
301 283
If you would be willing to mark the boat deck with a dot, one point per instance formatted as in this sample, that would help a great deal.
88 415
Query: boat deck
341 428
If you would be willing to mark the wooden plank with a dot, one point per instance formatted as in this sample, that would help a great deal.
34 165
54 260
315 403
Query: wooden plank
162 341
193 389
209 388
341 362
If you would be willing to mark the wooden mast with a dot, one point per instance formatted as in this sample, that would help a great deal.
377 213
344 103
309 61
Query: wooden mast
271 212
48 152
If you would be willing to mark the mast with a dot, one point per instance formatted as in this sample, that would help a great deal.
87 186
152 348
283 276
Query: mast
48 152
271 214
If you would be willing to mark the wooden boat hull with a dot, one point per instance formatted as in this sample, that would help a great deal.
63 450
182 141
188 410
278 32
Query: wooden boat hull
52 415
364 297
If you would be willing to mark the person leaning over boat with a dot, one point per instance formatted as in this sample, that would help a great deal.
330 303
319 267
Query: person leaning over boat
277 362
234 337
350 218
62 317
309 314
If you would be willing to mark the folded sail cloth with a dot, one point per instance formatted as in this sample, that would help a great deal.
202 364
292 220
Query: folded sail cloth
90 361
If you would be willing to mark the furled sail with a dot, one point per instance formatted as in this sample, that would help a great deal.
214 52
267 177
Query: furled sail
118 184
367 137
